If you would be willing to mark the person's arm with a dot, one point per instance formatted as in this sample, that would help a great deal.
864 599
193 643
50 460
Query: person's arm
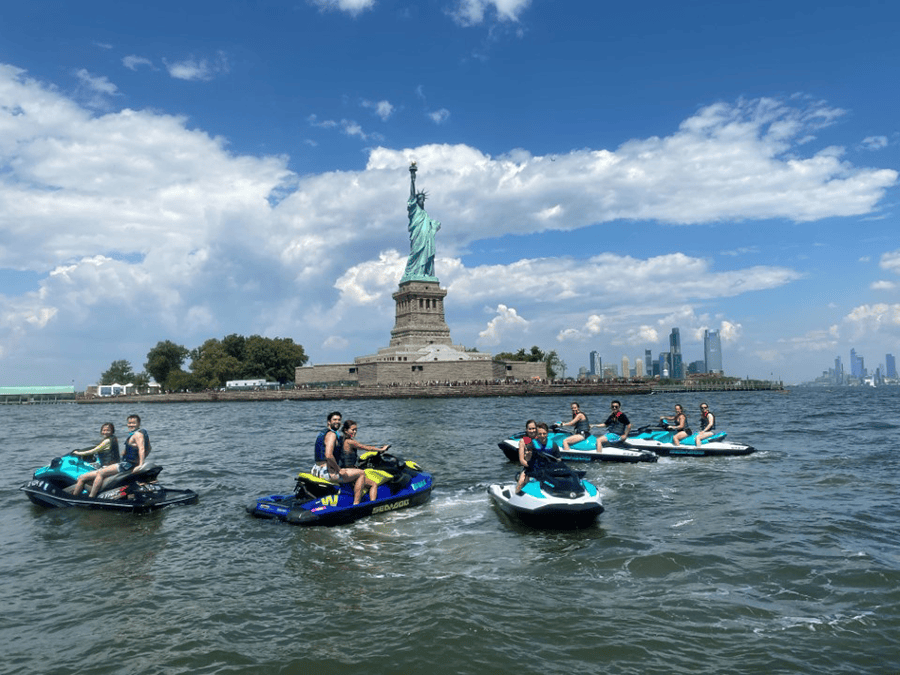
522 460
141 444
710 421
571 423
627 431
368 448
92 451
333 466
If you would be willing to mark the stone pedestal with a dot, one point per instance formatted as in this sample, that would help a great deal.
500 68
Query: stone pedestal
419 318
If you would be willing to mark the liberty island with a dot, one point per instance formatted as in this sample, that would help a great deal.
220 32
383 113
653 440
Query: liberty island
421 350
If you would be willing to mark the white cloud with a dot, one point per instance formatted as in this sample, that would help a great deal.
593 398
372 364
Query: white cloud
883 285
626 280
347 127
97 83
351 7
383 109
335 342
876 319
193 69
473 12
133 62
890 261
439 116
507 324
730 332
875 142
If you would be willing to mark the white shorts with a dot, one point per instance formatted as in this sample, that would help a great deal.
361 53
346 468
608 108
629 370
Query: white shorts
321 472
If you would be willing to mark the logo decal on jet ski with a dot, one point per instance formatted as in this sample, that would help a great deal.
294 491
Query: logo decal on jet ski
391 507
330 500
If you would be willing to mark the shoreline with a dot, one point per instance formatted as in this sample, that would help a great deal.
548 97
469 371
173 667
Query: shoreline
573 389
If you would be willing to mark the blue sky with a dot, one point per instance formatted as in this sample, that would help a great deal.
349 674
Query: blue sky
603 172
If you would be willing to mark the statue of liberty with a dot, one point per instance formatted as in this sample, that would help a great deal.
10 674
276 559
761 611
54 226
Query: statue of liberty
420 264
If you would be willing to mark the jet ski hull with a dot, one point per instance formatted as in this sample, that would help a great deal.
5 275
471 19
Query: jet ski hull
558 514
133 498
133 492
660 443
554 497
584 451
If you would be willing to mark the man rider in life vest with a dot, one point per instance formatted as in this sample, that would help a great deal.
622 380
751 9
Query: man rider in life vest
329 456
618 426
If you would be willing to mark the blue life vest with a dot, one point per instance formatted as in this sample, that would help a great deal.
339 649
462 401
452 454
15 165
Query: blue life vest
131 451
536 450
338 445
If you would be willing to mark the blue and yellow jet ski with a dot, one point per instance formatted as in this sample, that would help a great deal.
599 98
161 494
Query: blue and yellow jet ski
316 501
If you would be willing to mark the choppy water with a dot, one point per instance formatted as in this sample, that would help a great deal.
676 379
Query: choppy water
786 561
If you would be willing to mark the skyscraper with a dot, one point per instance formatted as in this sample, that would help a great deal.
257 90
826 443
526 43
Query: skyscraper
677 369
838 371
890 366
857 365
595 365
648 362
626 367
712 352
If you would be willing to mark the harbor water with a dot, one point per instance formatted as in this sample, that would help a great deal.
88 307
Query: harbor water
783 561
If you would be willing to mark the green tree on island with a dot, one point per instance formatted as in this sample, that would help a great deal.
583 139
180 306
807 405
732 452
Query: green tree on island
119 372
274 359
213 364
534 355
164 358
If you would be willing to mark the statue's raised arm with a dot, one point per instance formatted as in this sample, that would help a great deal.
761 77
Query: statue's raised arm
422 229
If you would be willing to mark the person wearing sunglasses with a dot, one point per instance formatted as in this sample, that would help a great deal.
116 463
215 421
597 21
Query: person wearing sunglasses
618 426
707 424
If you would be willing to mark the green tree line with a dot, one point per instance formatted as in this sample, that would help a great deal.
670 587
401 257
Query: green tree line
555 366
213 363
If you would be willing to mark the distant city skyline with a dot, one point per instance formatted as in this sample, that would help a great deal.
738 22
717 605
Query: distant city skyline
859 372
669 364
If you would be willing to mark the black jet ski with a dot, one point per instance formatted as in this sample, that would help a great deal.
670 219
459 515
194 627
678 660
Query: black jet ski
583 451
556 497
134 491
316 501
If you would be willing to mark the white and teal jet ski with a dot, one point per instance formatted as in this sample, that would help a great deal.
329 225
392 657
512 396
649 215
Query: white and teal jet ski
556 497
583 451
658 439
